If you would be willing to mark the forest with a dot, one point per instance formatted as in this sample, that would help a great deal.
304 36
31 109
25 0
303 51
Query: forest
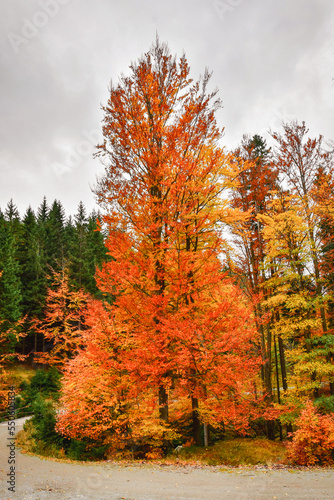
198 304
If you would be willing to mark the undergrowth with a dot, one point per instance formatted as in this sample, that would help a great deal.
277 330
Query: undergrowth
232 452
242 451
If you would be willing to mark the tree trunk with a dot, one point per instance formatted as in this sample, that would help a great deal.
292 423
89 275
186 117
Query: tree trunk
266 370
277 373
206 435
283 372
163 404
196 421
282 361
278 387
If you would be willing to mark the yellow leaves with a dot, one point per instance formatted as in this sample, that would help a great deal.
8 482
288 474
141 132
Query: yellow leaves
297 301
294 326
283 230
153 431
276 300
310 366
297 306
286 232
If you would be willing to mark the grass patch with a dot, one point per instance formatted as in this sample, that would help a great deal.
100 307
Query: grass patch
14 375
235 452
20 373
24 439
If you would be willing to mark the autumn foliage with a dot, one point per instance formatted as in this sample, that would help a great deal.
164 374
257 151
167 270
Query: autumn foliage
313 441
179 333
62 321
214 312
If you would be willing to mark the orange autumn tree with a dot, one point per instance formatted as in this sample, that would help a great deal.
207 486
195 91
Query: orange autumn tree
61 325
184 331
101 402
105 400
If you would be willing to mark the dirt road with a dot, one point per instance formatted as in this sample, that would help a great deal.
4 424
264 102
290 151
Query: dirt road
38 479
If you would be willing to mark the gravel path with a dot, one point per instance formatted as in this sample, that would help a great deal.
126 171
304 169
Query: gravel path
39 479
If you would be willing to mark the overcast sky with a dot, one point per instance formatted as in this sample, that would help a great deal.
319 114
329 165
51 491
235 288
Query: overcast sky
272 60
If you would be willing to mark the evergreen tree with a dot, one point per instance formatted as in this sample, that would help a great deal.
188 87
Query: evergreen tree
32 267
86 252
33 249
96 253
12 215
55 237
79 265
43 212
42 244
10 283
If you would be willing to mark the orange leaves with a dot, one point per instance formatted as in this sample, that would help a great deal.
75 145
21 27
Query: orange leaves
313 441
95 389
100 399
62 322
109 388
176 325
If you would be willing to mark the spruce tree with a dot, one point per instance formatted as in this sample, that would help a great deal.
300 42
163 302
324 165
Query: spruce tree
79 259
96 252
33 272
55 237
10 283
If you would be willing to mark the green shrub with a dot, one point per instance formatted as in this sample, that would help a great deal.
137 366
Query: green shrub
325 404
45 383
80 450
44 421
